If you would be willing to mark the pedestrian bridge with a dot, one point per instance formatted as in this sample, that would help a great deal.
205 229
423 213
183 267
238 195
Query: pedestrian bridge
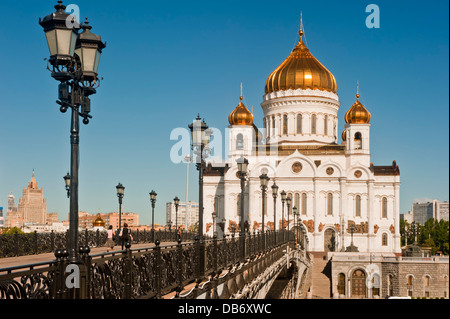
269 265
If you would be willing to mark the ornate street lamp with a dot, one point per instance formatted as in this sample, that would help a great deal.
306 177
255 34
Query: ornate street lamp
77 83
264 180
283 200
274 195
295 212
120 193
200 139
242 164
176 201
67 183
153 201
288 203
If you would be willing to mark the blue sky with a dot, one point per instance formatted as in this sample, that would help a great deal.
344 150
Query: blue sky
167 61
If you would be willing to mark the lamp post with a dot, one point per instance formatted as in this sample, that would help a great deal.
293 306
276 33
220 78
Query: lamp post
67 183
242 164
153 201
120 193
176 201
264 180
288 203
295 212
200 139
274 195
74 58
283 201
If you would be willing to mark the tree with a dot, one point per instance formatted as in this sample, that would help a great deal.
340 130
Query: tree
14 230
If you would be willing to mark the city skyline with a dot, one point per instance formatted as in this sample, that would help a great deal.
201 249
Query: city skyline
162 66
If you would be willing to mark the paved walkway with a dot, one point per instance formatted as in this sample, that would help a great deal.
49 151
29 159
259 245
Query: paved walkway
32 259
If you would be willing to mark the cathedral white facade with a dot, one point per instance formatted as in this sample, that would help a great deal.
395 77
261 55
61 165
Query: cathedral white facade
333 186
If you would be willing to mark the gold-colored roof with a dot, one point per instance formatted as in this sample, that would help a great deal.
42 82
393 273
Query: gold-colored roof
301 70
357 114
240 115
98 222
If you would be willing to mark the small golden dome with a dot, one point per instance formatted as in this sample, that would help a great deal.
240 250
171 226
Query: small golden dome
240 115
98 222
344 135
357 114
301 70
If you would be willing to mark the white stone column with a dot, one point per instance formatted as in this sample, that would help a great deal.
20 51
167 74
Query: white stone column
397 243
370 214
343 207
316 216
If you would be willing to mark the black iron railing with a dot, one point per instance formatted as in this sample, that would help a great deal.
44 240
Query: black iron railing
14 245
132 273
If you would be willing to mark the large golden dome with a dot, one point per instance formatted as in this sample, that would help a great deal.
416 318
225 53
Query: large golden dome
301 70
357 114
240 115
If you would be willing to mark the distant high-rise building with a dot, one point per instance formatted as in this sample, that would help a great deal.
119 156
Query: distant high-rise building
32 206
442 210
431 209
187 214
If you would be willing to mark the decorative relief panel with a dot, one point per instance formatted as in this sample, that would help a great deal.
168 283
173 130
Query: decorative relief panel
309 225
375 228
358 173
362 228
330 170
392 229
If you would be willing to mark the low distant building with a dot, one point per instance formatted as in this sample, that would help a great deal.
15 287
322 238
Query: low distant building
409 218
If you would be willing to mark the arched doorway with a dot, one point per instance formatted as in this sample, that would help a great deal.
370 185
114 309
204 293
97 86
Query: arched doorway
329 240
358 284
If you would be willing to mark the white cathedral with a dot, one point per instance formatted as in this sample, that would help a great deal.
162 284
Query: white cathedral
340 195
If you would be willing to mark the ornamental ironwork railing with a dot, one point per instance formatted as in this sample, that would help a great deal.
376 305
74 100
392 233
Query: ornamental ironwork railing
14 245
133 273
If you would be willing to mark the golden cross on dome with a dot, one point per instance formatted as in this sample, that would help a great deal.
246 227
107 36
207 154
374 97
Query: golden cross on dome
301 25
357 89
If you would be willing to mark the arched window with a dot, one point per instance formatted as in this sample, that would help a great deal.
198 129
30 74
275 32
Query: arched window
390 285
297 200
358 140
239 142
384 239
325 125
341 284
285 124
384 207
329 204
358 206
304 198
313 123
273 125
426 285
299 124
409 285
